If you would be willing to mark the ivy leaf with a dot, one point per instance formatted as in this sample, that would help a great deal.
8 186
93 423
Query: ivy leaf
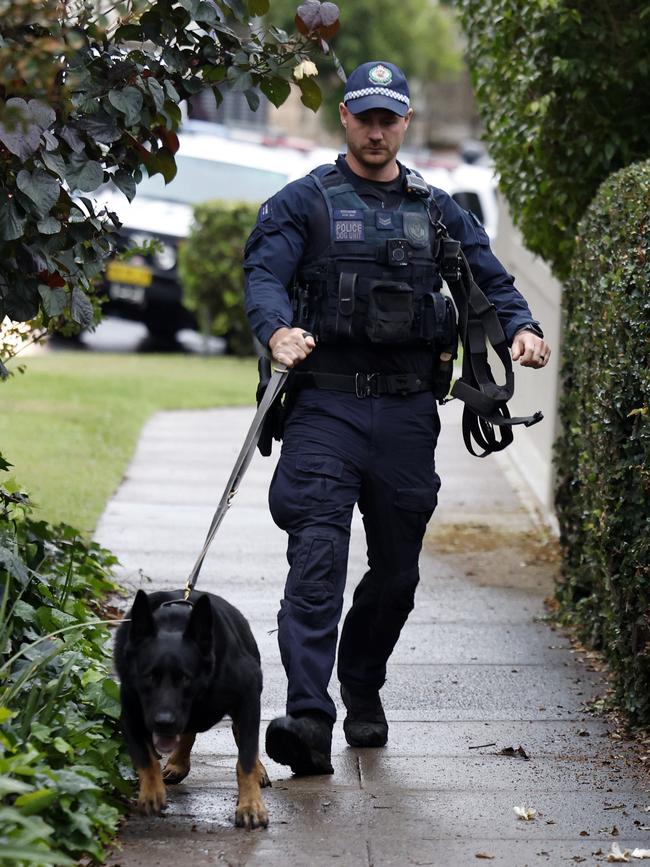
12 223
40 187
129 102
310 93
54 301
81 308
84 174
276 90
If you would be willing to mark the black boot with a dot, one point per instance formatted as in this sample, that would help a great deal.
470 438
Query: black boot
365 724
304 742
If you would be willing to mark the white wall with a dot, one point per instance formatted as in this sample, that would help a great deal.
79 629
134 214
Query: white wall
531 452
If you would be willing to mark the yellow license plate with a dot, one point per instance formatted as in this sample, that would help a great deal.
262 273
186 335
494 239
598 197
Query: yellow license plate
133 275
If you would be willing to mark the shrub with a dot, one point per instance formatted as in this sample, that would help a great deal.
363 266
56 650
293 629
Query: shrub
603 454
63 769
562 90
210 266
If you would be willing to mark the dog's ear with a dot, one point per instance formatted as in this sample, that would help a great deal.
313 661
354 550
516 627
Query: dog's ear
142 622
200 625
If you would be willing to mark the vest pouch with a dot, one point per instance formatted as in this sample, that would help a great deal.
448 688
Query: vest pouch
390 312
438 322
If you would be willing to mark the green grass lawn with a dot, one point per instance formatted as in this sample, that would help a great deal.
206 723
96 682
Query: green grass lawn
70 424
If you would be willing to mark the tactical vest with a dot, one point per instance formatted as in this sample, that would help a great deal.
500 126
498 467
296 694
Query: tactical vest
379 280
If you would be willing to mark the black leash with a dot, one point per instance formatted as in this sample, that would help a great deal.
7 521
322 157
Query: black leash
273 389
486 419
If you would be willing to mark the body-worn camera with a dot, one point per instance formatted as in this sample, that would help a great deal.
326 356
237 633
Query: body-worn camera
397 251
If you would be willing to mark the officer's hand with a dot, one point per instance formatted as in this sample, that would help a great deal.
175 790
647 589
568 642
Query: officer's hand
530 350
290 346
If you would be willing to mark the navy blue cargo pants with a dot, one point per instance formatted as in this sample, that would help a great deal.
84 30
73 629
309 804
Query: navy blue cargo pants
339 450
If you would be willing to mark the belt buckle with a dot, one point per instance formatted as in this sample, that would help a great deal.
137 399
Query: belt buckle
366 385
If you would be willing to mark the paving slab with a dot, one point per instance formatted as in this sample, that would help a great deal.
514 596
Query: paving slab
477 670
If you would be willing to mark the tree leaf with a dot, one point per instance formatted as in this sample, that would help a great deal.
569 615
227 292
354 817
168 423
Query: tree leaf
156 91
311 93
84 174
12 223
125 182
54 162
253 99
19 134
101 127
276 90
72 138
129 102
40 187
49 226
55 301
241 79
81 308
258 7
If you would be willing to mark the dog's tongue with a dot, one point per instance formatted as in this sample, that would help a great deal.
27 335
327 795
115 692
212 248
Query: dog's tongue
163 744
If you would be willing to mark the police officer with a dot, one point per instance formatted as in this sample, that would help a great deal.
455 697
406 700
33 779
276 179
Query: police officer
342 284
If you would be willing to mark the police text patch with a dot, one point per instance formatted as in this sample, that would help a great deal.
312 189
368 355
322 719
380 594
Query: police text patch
349 230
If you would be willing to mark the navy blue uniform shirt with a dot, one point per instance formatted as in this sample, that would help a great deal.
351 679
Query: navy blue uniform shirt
293 227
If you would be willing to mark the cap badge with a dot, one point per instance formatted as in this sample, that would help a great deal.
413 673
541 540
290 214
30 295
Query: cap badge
380 75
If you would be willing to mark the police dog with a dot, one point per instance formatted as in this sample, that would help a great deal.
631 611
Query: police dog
183 666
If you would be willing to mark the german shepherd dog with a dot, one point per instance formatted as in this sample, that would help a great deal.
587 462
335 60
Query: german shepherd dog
182 667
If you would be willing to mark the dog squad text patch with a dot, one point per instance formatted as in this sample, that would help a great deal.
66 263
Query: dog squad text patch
348 225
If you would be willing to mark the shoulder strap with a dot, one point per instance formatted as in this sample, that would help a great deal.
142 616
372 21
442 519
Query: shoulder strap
485 401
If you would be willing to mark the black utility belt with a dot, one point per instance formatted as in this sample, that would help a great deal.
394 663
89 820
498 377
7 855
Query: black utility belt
364 384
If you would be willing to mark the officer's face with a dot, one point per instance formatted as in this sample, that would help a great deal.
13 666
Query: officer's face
374 137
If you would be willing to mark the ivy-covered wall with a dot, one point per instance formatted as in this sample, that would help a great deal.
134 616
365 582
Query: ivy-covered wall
603 455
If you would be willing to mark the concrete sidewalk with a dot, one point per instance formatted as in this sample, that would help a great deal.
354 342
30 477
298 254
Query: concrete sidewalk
476 671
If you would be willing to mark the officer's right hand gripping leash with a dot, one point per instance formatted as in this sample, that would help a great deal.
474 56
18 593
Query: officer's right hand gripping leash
485 401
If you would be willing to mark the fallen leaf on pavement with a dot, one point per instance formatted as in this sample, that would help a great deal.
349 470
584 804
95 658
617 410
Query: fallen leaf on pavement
484 855
511 751
626 855
525 813
617 854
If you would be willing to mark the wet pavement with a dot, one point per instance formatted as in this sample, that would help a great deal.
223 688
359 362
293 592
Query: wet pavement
478 670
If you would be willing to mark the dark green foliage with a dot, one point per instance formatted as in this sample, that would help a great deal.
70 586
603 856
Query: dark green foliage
417 35
86 100
62 760
603 455
562 87
210 266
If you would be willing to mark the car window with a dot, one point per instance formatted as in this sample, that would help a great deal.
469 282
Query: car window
199 180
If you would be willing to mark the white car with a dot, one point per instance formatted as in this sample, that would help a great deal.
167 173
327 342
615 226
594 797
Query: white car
146 287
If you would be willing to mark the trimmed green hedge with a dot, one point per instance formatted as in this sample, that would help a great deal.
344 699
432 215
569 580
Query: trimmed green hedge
603 455
562 87
210 267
